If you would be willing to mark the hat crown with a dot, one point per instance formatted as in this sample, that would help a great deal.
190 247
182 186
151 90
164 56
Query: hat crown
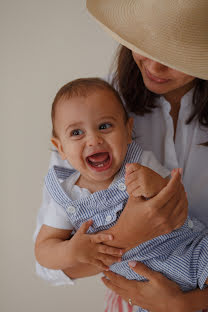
163 30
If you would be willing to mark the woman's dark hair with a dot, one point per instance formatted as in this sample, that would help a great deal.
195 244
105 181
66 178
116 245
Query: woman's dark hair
127 79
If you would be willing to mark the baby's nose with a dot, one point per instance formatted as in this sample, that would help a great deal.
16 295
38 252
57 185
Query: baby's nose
94 139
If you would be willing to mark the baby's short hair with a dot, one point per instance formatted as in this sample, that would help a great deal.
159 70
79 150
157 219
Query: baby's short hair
82 87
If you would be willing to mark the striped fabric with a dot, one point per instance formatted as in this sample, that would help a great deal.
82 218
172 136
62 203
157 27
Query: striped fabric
181 255
114 303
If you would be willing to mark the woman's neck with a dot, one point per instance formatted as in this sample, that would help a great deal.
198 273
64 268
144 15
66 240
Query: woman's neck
174 97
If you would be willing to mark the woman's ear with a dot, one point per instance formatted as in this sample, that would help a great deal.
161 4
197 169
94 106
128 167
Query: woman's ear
57 143
130 124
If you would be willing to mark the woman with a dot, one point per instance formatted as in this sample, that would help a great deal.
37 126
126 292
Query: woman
181 147
162 74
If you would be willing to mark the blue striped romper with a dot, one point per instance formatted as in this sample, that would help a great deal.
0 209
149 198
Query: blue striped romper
181 255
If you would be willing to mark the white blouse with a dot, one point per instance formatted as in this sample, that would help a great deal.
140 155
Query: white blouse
155 132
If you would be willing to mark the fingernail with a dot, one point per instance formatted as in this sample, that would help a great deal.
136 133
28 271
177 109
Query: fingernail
181 170
132 263
110 237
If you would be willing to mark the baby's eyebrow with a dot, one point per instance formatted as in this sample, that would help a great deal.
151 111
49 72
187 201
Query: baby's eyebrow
73 125
108 117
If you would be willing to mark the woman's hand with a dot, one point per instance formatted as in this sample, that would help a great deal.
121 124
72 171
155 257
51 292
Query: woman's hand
158 294
143 220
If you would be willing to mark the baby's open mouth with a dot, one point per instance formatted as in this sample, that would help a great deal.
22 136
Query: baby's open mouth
99 161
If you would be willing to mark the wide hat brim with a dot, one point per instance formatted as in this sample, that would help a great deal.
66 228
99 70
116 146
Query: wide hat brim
172 32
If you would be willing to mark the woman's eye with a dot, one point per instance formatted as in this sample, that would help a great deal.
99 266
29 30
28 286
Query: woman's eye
105 126
76 132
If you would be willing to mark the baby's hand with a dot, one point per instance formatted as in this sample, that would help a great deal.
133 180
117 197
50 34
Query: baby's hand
90 248
142 181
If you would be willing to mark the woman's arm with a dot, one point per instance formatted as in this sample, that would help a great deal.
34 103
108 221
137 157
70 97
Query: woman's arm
158 294
82 270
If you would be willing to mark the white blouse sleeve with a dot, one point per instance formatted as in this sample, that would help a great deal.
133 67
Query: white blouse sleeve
149 160
55 277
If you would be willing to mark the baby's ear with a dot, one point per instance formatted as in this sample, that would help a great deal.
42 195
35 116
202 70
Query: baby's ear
130 124
57 143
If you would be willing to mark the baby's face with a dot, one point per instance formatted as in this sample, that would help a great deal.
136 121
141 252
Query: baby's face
93 134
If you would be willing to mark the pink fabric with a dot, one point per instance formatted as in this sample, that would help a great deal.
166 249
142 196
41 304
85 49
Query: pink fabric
114 303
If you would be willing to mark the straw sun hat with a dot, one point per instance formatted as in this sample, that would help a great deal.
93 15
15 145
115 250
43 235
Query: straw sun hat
172 32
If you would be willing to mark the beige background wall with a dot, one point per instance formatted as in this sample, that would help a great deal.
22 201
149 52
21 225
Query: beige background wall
44 44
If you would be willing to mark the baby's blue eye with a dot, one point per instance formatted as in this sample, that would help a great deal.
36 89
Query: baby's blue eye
105 126
76 132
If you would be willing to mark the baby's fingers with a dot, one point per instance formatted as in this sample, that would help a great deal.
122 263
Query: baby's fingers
85 226
110 250
108 260
132 167
134 188
99 264
101 238
134 176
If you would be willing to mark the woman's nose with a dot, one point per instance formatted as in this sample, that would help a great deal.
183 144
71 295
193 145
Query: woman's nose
155 67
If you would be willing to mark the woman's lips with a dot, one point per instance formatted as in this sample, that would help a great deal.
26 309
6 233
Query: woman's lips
154 78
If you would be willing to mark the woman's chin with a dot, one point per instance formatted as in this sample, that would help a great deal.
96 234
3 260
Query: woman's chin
158 88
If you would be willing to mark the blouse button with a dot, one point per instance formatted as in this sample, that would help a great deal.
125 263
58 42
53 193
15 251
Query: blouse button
108 218
71 209
122 187
190 224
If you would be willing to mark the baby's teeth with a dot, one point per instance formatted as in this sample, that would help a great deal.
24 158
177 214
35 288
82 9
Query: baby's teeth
101 165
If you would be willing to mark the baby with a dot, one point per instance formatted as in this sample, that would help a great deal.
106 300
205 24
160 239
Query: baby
92 131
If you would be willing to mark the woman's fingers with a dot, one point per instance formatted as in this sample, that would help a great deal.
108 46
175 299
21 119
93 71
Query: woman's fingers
118 280
108 283
167 192
180 210
143 270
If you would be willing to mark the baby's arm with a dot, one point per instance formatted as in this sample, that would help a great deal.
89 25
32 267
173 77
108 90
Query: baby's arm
143 181
54 250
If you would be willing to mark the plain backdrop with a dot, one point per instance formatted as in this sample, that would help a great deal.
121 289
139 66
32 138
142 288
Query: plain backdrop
43 45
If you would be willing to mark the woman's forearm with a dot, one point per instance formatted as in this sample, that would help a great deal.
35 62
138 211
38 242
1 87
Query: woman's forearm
194 300
82 270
